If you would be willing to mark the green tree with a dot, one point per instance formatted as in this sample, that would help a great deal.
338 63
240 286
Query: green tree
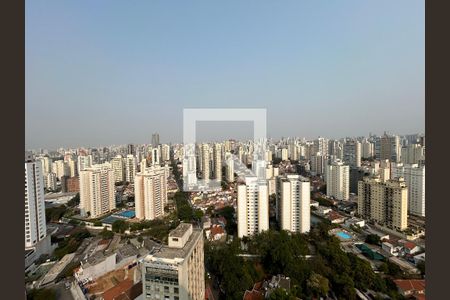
280 294
119 226
318 285
373 239
42 294
106 234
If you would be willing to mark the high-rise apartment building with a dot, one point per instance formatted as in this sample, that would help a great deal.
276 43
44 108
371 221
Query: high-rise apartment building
317 164
414 176
253 207
35 225
229 167
321 145
338 180
367 149
384 202
155 140
205 162
130 168
413 154
165 153
118 166
218 161
46 163
60 168
84 161
352 153
390 147
176 271
50 181
150 192
97 190
294 203
155 156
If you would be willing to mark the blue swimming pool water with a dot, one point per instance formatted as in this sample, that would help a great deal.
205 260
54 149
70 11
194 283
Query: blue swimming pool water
127 214
343 235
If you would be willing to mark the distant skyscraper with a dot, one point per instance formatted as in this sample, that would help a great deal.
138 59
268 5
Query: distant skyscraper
338 180
84 161
130 168
118 165
317 164
150 190
35 225
155 156
60 168
229 167
130 149
413 154
97 190
390 147
253 207
384 202
218 161
176 271
50 181
205 158
321 145
295 203
165 152
352 153
367 149
155 140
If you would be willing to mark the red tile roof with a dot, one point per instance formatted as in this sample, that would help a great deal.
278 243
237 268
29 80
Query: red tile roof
413 285
114 292
253 295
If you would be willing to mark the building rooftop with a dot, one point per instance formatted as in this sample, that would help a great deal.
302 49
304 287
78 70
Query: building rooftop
172 253
180 230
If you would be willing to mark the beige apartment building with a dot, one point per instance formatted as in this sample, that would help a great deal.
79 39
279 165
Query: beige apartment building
150 191
97 190
384 202
176 271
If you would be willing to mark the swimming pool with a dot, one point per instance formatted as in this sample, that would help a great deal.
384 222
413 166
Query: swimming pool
127 214
343 235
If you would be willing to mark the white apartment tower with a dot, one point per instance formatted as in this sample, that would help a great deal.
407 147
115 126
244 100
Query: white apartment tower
229 167
118 165
205 165
338 180
414 176
50 181
294 203
84 161
352 153
252 207
218 161
130 167
176 271
413 154
97 190
150 191
35 225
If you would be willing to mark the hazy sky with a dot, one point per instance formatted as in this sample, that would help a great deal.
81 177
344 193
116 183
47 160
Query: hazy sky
114 72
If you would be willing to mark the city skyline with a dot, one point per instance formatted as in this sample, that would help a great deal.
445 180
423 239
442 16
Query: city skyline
94 76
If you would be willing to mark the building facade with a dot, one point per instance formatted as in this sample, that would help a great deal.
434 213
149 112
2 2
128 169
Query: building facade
253 207
295 203
176 271
338 180
414 176
97 192
150 192
384 202
35 225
